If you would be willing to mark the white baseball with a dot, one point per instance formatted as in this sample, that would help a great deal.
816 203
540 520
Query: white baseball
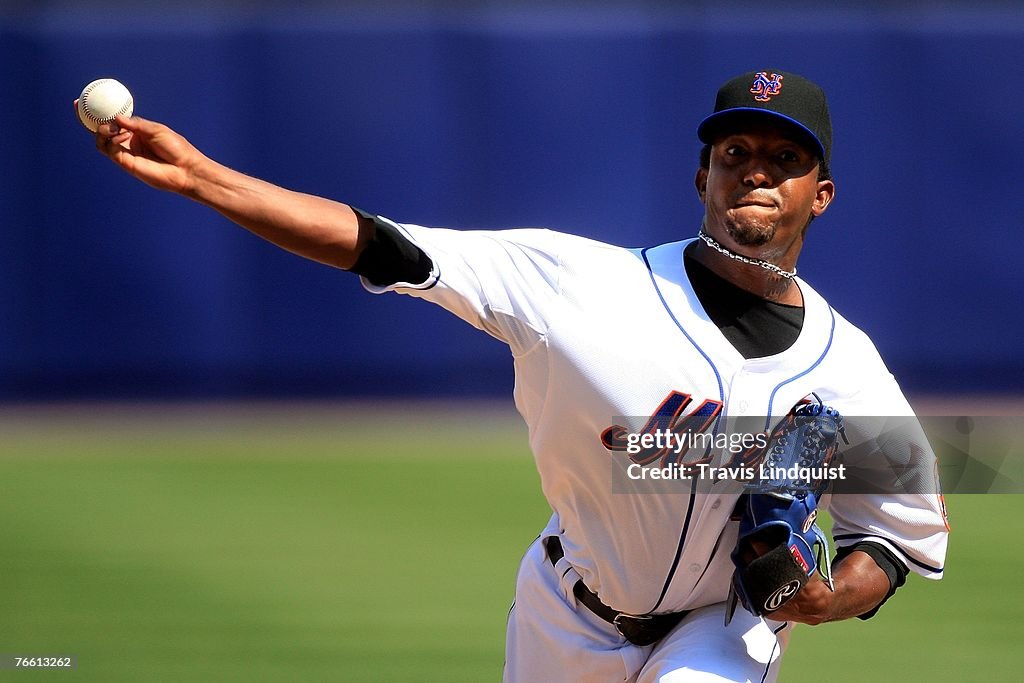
101 101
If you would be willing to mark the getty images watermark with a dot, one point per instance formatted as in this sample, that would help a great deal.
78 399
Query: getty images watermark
666 442
882 455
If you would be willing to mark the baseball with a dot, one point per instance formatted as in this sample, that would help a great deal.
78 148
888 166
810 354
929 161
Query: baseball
101 101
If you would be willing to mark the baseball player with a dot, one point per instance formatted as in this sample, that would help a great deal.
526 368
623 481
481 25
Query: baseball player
624 586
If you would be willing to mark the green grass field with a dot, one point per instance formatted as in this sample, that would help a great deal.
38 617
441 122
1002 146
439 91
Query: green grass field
321 543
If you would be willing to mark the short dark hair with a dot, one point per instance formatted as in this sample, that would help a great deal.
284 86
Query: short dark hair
824 172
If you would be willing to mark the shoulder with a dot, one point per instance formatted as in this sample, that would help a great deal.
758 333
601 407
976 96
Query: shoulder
542 246
574 251
858 375
539 240
536 237
663 261
846 339
853 342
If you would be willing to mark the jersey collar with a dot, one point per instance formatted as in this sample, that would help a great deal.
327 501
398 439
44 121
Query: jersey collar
669 277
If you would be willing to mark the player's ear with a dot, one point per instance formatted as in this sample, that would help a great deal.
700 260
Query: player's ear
823 197
701 183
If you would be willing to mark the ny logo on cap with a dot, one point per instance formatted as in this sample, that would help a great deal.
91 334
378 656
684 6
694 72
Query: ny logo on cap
765 87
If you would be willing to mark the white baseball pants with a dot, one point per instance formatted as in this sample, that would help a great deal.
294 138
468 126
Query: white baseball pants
552 639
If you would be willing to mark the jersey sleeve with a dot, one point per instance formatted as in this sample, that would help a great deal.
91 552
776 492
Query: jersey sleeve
503 282
908 519
389 256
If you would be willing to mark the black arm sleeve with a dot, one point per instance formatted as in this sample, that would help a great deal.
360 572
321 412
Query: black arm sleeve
886 561
389 256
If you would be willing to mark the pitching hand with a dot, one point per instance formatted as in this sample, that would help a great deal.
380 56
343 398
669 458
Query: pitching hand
151 152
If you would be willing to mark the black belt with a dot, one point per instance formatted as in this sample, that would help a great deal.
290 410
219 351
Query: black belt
644 629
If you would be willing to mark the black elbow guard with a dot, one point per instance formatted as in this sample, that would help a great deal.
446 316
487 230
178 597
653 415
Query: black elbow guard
389 256
886 561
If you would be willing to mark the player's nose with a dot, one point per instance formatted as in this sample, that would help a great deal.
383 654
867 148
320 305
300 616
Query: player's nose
757 175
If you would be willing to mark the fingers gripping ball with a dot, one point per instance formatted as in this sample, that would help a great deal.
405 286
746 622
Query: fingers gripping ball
101 101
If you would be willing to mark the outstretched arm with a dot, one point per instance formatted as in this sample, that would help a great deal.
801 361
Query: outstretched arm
316 228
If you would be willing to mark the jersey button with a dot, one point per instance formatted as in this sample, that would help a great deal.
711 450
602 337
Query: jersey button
695 567
717 504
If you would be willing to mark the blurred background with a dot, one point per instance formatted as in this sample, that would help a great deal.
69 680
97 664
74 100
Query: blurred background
576 116
220 462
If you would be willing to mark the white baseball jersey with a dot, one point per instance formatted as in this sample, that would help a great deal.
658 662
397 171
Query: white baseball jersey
598 332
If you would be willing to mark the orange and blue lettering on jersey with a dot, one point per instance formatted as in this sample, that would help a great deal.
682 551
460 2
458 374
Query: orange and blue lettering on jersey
667 418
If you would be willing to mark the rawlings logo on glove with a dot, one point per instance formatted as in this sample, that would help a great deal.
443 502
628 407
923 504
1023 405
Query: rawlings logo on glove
780 546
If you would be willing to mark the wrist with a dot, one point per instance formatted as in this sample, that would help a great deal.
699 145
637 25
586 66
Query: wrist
203 179
860 586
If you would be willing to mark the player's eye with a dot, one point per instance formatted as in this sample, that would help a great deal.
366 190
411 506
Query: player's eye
789 156
735 151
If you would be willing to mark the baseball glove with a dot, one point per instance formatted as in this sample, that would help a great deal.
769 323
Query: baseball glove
780 545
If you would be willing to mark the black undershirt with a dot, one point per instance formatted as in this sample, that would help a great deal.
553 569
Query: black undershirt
754 326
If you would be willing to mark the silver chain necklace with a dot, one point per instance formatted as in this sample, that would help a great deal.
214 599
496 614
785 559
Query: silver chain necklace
771 267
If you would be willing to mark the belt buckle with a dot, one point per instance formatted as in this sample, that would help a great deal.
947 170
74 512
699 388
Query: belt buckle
635 618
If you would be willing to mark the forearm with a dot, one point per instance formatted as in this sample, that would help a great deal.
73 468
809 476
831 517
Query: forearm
313 227
860 585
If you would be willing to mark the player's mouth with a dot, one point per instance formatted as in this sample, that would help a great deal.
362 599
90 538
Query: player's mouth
755 201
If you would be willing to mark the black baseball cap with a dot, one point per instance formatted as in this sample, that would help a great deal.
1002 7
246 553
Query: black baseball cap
779 94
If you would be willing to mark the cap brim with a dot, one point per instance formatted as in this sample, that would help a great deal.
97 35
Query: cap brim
708 127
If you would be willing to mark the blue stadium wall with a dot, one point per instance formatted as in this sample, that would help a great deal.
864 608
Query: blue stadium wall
481 116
